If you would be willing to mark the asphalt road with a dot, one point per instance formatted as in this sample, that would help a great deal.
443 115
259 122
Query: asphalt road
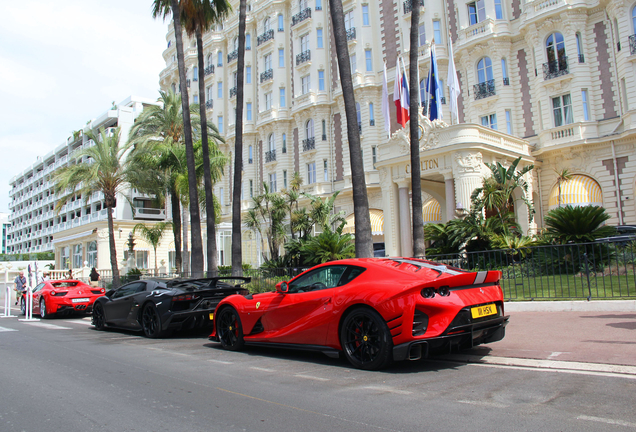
62 375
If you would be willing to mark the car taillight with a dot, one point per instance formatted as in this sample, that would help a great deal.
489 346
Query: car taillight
59 294
185 297
428 292
99 291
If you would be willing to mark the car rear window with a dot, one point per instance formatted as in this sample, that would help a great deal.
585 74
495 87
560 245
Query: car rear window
350 274
64 284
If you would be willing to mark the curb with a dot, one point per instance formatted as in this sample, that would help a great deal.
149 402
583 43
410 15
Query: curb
572 306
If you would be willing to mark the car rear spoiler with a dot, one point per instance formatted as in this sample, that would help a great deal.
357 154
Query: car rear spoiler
211 281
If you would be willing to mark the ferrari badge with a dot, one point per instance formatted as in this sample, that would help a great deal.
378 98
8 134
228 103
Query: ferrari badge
258 304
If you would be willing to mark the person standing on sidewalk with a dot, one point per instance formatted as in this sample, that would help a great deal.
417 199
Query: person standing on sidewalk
20 286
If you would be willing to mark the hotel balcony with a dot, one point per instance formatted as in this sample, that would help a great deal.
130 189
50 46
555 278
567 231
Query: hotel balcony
270 156
150 213
303 57
301 16
267 75
555 68
484 90
309 144
268 35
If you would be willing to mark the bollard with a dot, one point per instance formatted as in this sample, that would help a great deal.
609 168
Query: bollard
29 306
7 297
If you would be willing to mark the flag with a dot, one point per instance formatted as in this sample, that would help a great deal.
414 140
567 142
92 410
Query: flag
434 89
386 112
453 83
405 96
402 114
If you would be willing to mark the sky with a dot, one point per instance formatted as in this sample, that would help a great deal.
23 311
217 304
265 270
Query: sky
64 63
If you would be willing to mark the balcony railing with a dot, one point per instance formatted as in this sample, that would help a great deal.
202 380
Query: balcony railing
555 68
232 56
443 100
303 57
269 34
301 16
209 104
360 127
351 34
309 144
270 156
581 58
408 6
506 81
208 70
324 137
485 89
233 91
632 44
267 75
188 83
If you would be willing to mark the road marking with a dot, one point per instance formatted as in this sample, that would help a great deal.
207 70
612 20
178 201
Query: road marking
570 371
48 326
555 354
4 329
88 323
607 421
483 403
262 369
546 364
388 389
219 361
315 378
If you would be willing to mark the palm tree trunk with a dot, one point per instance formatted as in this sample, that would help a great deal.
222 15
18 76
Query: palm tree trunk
113 249
416 182
363 239
156 268
237 249
210 222
184 228
196 262
176 229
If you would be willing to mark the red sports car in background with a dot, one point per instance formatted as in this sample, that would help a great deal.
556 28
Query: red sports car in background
62 296
375 310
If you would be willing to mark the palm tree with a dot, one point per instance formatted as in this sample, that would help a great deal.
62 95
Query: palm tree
496 192
266 217
157 138
577 224
416 182
152 235
164 8
562 176
292 195
198 16
103 167
328 246
237 250
363 238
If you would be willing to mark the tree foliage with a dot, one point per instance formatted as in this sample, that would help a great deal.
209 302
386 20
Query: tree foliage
577 224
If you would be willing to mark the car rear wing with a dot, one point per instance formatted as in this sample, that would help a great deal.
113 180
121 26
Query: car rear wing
207 282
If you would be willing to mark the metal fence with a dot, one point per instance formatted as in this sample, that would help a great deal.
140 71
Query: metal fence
600 270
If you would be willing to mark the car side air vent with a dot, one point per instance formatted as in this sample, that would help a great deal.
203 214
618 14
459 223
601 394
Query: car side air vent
258 327
420 323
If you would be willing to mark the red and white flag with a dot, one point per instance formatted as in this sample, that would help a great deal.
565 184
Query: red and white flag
398 96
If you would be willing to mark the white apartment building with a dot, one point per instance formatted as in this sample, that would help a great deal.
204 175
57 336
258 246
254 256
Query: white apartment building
78 233
550 81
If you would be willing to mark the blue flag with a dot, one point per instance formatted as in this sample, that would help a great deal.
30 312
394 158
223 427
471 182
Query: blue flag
433 89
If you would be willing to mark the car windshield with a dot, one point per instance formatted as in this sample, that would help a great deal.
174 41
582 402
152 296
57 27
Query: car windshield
320 278
64 284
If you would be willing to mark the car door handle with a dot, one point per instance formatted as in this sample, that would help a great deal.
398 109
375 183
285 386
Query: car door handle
328 301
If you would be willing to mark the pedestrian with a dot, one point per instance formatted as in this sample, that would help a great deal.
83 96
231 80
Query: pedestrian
70 274
46 276
94 277
20 286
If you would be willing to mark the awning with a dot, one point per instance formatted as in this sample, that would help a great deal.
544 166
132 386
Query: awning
72 237
580 190
432 212
377 223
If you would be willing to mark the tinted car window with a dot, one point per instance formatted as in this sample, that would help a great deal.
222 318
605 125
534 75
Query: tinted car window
351 273
129 289
38 287
324 277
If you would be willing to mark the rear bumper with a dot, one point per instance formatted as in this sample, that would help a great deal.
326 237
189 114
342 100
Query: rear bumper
464 337
188 320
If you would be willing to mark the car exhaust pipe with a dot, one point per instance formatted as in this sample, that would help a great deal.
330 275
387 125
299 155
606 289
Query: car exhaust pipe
415 352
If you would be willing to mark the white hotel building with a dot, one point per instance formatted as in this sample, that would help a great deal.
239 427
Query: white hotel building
551 81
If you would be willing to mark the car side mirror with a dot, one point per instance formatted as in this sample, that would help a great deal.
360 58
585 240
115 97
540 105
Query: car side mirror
282 287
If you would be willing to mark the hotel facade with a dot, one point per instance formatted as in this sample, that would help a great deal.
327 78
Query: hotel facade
550 81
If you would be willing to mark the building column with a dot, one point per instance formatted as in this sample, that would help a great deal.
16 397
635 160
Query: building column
389 209
404 208
467 174
449 187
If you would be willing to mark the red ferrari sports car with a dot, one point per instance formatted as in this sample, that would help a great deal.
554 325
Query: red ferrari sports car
62 296
375 310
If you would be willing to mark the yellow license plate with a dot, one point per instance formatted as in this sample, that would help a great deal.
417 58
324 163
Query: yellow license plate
482 311
211 316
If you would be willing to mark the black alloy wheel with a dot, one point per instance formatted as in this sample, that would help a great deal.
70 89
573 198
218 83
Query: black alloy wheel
366 339
151 322
43 312
229 329
99 321
22 306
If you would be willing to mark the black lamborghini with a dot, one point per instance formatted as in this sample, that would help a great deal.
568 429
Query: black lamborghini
156 307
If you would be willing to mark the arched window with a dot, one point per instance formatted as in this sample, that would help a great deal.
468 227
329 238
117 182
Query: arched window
281 25
219 57
555 47
235 43
371 115
174 88
267 25
248 42
210 60
579 48
271 142
91 254
284 143
484 70
359 115
634 19
504 71
309 129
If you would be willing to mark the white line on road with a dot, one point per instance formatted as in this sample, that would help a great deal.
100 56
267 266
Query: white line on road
88 323
315 378
48 326
388 389
570 371
262 369
4 329
607 421
220 361
555 354
483 403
